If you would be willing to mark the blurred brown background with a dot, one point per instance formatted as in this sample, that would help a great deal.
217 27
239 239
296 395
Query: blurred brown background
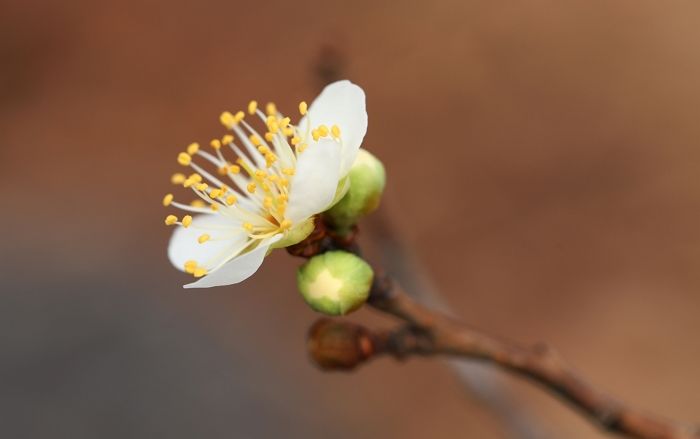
543 168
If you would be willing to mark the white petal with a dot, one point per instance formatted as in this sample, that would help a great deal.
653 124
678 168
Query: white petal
341 103
315 180
184 246
237 269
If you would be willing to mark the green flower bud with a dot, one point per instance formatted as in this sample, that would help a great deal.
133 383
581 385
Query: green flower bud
335 282
367 180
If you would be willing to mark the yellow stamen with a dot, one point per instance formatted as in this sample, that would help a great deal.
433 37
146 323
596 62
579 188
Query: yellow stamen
197 203
248 227
226 139
203 238
316 135
215 193
239 116
227 119
170 220
184 159
215 143
201 186
230 200
295 140
200 272
335 131
214 207
288 171
186 221
190 266
271 109
284 123
252 107
322 130
269 137
303 108
177 178
251 188
193 148
233 169
167 200
255 140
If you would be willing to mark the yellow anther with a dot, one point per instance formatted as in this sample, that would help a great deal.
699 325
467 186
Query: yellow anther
252 107
322 130
239 116
271 109
295 140
215 193
260 174
224 189
233 169
200 272
203 238
263 149
196 177
288 171
189 182
192 148
248 227
265 187
273 126
285 224
282 198
186 220
251 188
214 207
167 199
215 143
284 123
270 158
269 137
303 108
201 186
170 220
316 135
177 178
335 131
273 177
184 159
227 119
222 170
190 266
284 182
267 202
230 200
197 203
288 131
226 139
302 147
255 140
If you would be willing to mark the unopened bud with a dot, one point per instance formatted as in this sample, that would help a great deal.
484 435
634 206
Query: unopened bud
335 282
367 180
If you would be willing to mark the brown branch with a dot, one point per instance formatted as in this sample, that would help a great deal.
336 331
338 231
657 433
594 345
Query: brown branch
341 345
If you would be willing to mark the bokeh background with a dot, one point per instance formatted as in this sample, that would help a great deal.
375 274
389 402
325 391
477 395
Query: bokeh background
543 162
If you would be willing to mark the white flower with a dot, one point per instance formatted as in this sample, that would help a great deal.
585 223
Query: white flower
268 198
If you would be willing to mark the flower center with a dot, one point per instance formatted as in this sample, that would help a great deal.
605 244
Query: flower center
252 189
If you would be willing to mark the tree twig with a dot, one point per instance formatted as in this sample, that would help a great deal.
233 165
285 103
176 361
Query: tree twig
341 345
